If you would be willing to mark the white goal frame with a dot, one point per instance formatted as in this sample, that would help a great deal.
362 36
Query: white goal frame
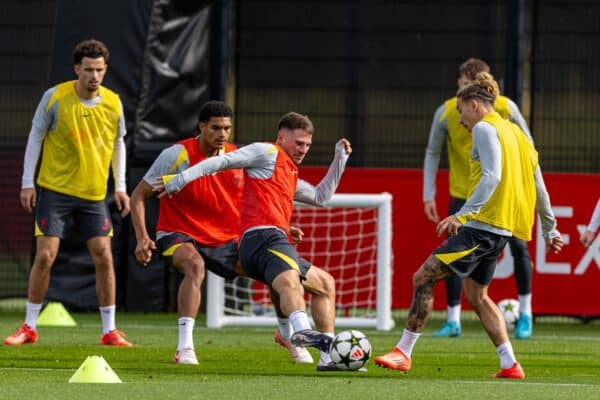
215 296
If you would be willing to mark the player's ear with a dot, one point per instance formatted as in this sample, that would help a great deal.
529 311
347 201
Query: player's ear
279 138
474 104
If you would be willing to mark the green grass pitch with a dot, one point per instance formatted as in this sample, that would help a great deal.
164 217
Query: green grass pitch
561 362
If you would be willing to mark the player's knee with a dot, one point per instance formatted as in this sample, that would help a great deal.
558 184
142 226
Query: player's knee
326 285
422 284
287 282
293 285
102 253
329 285
44 258
419 280
474 298
428 275
194 269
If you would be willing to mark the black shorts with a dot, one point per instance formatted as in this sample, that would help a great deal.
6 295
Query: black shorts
219 260
265 253
472 253
57 212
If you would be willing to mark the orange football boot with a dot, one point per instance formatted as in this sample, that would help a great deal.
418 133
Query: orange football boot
514 372
23 335
395 359
115 338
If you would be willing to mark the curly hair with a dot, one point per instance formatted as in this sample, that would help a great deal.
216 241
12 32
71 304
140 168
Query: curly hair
90 48
214 108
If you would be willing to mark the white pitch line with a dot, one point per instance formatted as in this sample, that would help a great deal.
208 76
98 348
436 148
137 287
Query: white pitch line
35 369
495 382
514 382
546 337
577 338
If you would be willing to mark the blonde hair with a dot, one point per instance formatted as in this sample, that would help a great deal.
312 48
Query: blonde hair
484 88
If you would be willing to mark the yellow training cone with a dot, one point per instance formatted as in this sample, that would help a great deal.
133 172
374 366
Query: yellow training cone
95 370
55 314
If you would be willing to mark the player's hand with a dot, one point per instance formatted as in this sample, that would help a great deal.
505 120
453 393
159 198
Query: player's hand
430 210
143 251
554 241
587 237
449 225
122 200
159 187
555 244
168 185
296 234
343 147
28 199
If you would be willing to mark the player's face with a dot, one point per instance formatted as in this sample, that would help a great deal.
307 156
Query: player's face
468 113
90 74
295 143
216 131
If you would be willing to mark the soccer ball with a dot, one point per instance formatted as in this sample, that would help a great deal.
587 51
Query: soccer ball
510 311
350 350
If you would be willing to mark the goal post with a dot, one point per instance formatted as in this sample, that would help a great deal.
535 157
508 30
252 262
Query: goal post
351 238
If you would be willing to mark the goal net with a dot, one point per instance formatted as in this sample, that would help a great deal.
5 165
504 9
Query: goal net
351 239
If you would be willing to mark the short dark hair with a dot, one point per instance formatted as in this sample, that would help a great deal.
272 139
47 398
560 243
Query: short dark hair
90 48
293 121
214 108
471 67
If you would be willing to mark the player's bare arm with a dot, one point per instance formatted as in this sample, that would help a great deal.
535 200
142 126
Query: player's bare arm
145 246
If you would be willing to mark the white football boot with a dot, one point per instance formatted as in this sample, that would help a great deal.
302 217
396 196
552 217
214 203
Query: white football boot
185 356
299 354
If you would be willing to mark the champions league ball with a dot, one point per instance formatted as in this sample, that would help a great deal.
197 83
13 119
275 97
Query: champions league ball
510 311
350 350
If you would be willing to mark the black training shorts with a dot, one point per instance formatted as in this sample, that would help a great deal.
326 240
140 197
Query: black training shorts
219 260
265 253
56 213
472 253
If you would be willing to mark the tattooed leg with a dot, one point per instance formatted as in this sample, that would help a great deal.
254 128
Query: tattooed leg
431 272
